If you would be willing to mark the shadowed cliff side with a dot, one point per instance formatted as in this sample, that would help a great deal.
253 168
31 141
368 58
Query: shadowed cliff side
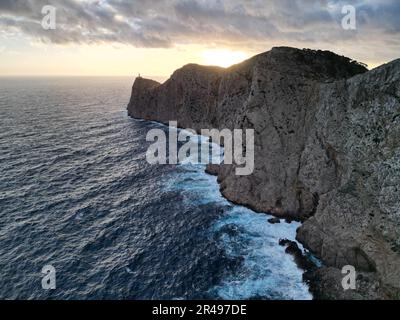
326 149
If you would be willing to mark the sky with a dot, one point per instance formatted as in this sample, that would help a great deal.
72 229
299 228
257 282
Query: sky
155 37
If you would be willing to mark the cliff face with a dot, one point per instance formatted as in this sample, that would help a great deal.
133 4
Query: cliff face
327 147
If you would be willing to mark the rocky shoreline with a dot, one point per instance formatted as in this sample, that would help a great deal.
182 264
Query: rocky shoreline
327 152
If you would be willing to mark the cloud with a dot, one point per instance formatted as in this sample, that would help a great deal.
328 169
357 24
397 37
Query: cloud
166 23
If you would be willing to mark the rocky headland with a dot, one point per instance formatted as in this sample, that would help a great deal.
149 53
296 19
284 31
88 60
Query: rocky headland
327 152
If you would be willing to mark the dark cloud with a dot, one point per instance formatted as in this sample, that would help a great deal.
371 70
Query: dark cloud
164 23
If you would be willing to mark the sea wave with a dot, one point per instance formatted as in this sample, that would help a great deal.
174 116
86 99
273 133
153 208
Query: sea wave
76 192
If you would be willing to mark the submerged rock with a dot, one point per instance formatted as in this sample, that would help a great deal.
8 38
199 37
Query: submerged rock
274 220
327 147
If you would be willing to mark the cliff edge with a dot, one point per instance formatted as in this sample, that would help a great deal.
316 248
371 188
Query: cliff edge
327 151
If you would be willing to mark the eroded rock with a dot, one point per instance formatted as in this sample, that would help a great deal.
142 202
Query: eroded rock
327 147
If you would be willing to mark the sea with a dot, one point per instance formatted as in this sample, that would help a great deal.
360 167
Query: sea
77 194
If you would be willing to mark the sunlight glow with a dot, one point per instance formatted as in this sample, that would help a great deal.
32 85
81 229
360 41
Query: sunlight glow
223 58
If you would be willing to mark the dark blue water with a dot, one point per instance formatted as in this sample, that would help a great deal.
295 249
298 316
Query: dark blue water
77 193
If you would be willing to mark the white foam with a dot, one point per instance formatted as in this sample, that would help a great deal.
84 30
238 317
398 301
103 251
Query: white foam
267 271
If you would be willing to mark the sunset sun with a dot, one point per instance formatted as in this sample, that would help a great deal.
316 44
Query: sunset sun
223 58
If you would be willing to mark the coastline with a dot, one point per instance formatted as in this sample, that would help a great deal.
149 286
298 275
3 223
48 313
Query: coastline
323 281
323 153
301 258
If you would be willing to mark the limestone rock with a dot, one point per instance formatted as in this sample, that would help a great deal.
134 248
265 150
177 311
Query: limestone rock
327 147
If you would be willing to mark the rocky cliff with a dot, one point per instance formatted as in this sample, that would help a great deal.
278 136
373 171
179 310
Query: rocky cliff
327 151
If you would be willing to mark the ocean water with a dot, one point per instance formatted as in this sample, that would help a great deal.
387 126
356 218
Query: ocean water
77 193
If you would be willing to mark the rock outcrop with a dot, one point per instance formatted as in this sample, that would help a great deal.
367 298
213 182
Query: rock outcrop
327 148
